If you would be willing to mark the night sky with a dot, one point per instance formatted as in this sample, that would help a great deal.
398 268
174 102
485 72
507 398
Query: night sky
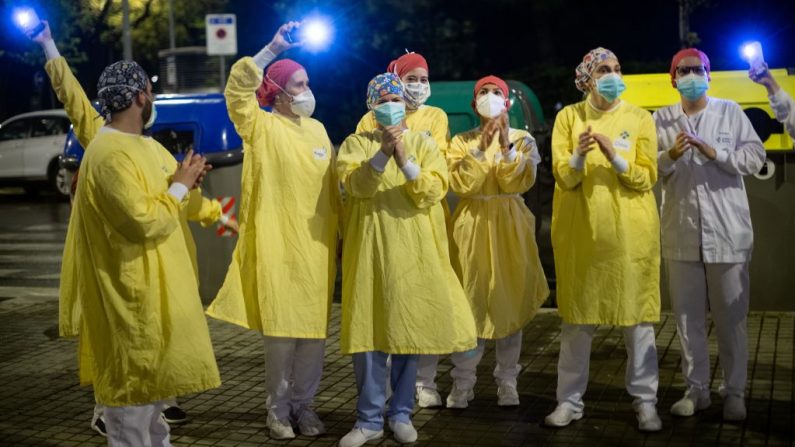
537 42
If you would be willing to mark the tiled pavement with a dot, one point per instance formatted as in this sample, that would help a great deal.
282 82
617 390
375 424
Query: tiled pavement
41 403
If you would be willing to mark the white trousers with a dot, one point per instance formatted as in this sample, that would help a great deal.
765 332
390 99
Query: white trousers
641 378
137 426
465 364
725 290
99 409
293 367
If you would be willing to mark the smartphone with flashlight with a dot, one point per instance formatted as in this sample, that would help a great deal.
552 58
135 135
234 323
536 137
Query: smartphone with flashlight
752 53
294 36
28 21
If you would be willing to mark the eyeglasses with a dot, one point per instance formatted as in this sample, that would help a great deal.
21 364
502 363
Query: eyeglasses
696 69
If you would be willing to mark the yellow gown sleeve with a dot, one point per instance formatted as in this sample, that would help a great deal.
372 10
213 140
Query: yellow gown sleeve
354 170
642 172
241 100
203 210
337 193
467 172
430 187
518 176
440 131
85 119
565 176
129 210
366 123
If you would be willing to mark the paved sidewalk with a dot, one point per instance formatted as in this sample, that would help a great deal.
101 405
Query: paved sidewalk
42 405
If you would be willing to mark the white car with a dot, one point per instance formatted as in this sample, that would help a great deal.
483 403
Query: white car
30 147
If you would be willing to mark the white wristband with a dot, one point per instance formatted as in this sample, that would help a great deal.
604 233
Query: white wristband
511 157
264 57
379 161
619 164
410 170
577 161
50 50
178 191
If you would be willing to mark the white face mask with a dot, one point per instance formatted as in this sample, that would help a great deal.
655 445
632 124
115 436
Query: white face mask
303 104
417 93
490 105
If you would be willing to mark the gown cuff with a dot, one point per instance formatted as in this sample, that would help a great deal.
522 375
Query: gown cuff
379 161
619 164
577 161
410 170
178 191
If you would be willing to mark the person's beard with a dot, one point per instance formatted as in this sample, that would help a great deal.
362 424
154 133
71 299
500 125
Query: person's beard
146 113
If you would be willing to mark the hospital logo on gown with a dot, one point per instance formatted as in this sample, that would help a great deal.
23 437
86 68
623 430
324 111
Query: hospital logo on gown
724 138
622 143
320 153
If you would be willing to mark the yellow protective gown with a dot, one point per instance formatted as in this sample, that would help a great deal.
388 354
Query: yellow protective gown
281 279
144 330
400 294
494 232
605 226
433 122
87 122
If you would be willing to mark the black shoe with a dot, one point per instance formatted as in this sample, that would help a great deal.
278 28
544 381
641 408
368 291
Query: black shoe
175 415
98 425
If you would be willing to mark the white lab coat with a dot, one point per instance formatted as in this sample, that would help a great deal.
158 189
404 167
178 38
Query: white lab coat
704 213
784 108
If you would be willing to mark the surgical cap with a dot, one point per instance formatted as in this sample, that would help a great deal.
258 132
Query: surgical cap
275 80
589 63
118 86
382 85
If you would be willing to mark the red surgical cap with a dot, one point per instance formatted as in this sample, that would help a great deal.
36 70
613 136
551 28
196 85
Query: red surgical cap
491 79
406 63
277 75
687 52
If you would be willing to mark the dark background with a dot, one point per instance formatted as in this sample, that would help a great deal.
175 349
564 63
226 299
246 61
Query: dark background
538 42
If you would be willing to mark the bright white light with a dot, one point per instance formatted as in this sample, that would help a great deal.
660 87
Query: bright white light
25 18
316 32
752 51
155 78
749 51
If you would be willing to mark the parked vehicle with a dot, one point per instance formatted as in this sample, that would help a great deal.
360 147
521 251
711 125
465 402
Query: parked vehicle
30 147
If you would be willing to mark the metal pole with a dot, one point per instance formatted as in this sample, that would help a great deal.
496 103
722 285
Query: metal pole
171 60
223 72
126 35
684 23
171 37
